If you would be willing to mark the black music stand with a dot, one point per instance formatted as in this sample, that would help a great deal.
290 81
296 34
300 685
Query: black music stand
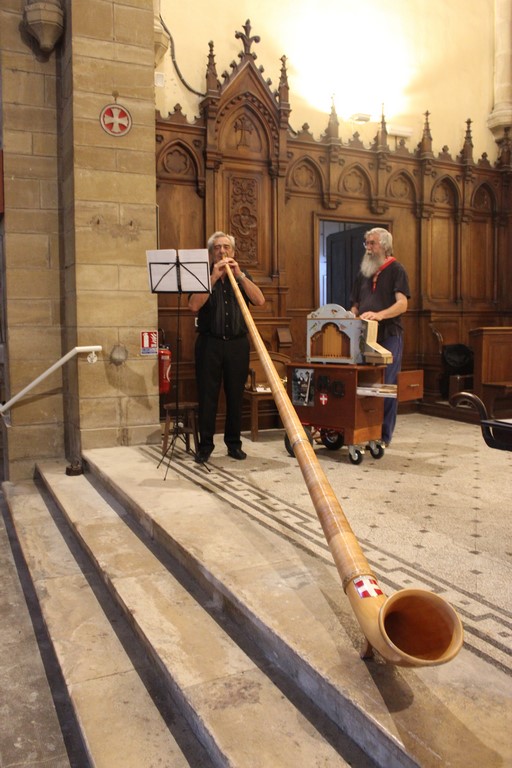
184 271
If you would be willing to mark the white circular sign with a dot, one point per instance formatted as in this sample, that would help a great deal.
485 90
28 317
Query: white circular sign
115 120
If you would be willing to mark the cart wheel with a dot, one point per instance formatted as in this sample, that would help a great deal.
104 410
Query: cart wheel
355 455
288 445
331 439
376 450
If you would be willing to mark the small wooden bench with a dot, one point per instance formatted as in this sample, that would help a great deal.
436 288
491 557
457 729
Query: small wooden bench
184 422
257 389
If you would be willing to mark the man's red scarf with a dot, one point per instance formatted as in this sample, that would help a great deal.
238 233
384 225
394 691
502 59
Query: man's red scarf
388 261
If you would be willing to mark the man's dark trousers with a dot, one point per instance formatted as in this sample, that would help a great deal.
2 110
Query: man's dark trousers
221 361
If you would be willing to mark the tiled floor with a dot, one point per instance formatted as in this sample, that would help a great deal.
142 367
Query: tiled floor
433 512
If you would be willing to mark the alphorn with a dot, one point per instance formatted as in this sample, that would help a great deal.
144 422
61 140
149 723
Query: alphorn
412 627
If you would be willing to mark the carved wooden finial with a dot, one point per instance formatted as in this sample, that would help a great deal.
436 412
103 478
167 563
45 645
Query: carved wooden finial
212 81
284 91
333 125
381 139
466 154
426 127
247 39
425 145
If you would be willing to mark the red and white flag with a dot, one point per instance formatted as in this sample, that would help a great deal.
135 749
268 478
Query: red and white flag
367 586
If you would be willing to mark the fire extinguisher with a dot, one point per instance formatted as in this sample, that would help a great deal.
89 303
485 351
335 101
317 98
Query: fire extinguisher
164 367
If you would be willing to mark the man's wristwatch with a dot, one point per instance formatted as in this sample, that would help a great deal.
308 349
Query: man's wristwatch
242 277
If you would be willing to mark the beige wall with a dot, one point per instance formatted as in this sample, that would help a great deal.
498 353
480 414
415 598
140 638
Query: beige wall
408 55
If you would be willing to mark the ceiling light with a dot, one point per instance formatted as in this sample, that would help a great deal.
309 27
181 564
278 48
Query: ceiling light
360 117
400 131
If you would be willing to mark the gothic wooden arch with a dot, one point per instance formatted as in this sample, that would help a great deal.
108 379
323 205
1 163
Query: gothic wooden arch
243 118
177 162
445 194
402 188
484 198
355 181
305 177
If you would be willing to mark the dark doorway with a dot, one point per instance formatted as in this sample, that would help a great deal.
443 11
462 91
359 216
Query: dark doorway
344 252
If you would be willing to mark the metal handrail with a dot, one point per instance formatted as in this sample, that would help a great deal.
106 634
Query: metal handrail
75 351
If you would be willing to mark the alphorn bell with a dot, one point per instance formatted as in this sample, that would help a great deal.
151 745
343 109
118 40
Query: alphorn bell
412 627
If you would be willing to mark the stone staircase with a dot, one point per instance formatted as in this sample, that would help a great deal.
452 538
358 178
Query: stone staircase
188 635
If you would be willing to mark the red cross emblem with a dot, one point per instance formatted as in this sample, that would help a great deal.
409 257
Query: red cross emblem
367 586
323 399
115 120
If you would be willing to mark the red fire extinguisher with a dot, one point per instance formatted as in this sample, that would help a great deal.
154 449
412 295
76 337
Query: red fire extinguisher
164 370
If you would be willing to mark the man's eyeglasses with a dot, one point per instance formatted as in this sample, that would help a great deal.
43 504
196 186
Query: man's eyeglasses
370 242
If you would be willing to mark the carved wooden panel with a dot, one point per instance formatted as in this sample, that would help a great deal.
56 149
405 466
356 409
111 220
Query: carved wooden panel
479 268
305 179
440 261
244 206
242 167
355 182
493 361
401 189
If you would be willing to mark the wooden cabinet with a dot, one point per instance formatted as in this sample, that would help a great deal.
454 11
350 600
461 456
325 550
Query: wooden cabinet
347 398
492 378
326 397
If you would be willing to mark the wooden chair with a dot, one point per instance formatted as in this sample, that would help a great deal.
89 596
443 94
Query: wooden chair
257 389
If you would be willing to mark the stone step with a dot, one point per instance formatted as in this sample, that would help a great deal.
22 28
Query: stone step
232 704
120 724
291 602
30 732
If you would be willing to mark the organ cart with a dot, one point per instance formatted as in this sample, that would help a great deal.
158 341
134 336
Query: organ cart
339 392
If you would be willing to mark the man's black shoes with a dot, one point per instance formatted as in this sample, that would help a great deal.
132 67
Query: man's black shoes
237 453
202 456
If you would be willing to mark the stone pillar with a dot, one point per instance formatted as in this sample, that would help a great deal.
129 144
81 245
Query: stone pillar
501 115
29 244
109 206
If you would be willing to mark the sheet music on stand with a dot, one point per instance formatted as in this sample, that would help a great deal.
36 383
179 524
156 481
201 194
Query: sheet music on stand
179 271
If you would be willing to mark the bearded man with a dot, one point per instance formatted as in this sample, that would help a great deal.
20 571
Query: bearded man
381 292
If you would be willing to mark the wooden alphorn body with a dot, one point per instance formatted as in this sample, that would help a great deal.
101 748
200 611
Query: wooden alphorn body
412 627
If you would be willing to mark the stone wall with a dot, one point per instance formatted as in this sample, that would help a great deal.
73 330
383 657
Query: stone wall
79 216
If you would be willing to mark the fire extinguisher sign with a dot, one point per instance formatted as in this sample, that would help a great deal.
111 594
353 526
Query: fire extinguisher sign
149 342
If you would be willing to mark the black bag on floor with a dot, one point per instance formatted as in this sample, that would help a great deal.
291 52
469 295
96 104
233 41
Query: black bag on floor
457 360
